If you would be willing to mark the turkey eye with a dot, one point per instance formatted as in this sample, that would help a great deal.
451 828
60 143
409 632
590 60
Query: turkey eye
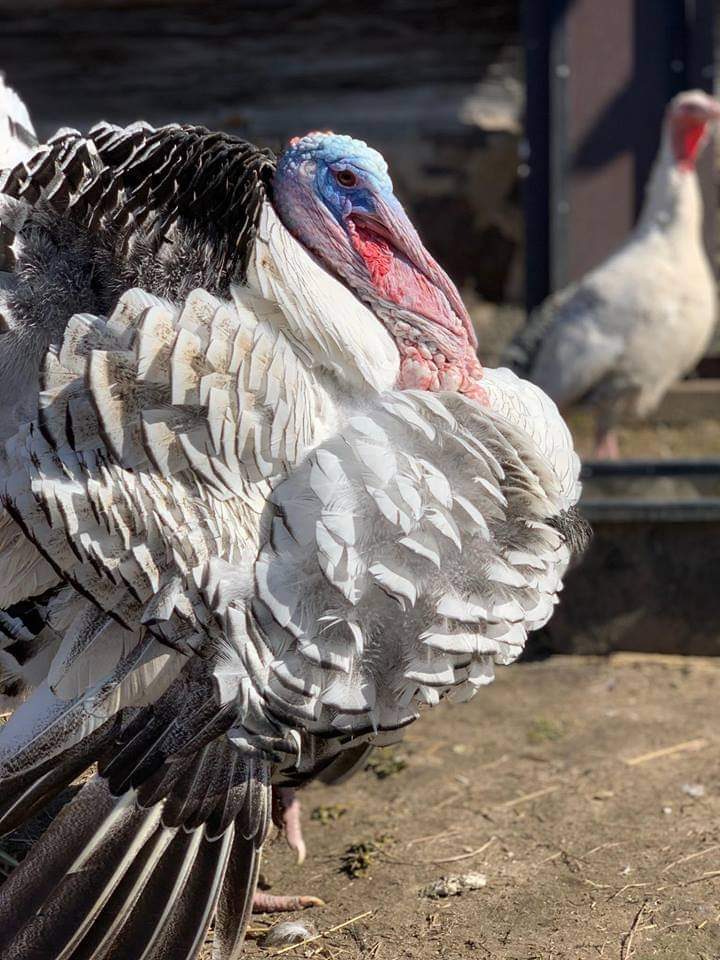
346 178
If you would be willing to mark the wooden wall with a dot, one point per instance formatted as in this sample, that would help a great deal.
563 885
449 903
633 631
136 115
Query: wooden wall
403 74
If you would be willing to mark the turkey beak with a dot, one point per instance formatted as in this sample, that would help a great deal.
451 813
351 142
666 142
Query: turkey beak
390 221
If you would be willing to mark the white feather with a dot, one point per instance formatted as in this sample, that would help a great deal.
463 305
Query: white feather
17 133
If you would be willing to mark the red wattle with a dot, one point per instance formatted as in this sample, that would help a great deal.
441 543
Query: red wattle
687 137
397 280
374 250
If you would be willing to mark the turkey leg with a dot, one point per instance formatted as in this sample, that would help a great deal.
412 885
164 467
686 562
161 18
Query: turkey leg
606 445
286 815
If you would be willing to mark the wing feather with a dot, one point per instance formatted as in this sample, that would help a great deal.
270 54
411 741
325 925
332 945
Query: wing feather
261 558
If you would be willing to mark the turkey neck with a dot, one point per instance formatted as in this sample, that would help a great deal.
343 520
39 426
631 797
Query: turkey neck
673 202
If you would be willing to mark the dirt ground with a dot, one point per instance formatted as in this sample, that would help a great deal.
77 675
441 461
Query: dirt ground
587 791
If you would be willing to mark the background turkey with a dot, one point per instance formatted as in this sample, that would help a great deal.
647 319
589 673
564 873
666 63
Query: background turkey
622 335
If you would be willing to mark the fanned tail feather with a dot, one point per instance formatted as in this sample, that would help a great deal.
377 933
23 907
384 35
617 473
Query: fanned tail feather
111 878
25 793
167 834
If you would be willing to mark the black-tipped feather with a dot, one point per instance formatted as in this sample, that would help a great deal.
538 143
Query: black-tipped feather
575 529
125 190
236 897
141 875
110 878
89 217
133 893
30 885
23 795
187 925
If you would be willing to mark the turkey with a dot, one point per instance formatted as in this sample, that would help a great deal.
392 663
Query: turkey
622 335
263 505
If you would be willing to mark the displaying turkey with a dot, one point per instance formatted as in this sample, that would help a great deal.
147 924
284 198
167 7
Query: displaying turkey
265 506
622 335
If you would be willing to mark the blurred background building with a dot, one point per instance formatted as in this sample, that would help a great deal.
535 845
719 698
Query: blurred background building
439 86
436 85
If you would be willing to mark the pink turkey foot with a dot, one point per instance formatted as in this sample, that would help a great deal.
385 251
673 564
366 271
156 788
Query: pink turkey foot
270 903
606 446
286 815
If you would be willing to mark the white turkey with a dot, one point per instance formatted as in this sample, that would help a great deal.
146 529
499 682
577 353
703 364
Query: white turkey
622 335
265 507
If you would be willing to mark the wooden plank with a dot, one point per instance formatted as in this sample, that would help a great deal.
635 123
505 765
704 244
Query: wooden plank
659 588
270 67
690 400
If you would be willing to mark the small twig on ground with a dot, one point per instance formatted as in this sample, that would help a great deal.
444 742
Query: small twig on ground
678 923
414 863
698 744
319 936
434 836
691 856
602 846
525 798
447 800
627 886
491 763
560 853
626 940
553 856
462 856
706 876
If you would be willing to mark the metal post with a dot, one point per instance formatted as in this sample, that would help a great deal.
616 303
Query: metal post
535 19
